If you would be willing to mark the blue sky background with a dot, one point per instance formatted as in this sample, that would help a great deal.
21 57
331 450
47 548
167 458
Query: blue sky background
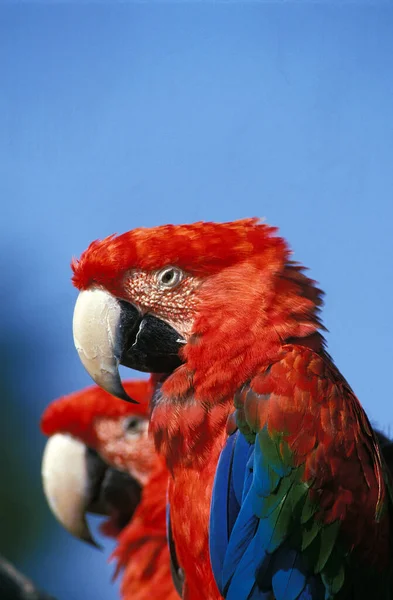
118 116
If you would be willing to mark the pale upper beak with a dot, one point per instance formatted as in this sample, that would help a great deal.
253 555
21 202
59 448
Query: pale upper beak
66 482
109 332
96 326
76 480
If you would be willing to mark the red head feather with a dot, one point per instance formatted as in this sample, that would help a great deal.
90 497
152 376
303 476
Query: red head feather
76 413
199 248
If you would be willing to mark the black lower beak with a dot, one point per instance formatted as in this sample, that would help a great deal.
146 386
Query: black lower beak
121 495
148 343
113 493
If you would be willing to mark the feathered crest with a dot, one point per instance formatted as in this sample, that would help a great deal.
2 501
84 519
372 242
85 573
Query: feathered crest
199 248
76 413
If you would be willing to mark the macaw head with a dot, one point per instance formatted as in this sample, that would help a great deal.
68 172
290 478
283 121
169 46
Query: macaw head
211 297
98 457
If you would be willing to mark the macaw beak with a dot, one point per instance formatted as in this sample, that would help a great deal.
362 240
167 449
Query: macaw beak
109 332
77 481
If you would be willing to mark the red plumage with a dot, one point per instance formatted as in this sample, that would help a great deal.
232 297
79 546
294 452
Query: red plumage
142 549
253 316
196 248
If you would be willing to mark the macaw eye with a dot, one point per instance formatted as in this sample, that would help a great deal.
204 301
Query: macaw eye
169 277
135 425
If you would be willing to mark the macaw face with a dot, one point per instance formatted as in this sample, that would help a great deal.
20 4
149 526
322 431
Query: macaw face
77 481
146 332
148 296
125 443
98 456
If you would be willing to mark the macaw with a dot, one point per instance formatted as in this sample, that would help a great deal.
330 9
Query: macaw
269 450
89 430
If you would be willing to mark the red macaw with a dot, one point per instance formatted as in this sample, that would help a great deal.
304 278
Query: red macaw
76 480
301 504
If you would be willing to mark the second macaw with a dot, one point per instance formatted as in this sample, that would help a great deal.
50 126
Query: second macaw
89 430
301 502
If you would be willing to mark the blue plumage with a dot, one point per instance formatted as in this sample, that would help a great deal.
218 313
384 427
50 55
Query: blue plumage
232 473
254 500
242 453
224 509
243 585
241 537
289 577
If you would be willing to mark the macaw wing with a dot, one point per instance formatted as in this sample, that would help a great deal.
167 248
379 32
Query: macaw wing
236 531
294 535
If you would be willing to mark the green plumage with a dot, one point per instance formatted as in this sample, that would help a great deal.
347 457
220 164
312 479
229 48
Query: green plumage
291 515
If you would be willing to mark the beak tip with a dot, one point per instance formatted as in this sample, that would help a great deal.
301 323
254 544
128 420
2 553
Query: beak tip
115 388
94 544
128 398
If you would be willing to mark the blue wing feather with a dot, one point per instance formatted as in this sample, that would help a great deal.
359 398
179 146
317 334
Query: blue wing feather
243 451
289 575
224 509
250 555
241 537
243 585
